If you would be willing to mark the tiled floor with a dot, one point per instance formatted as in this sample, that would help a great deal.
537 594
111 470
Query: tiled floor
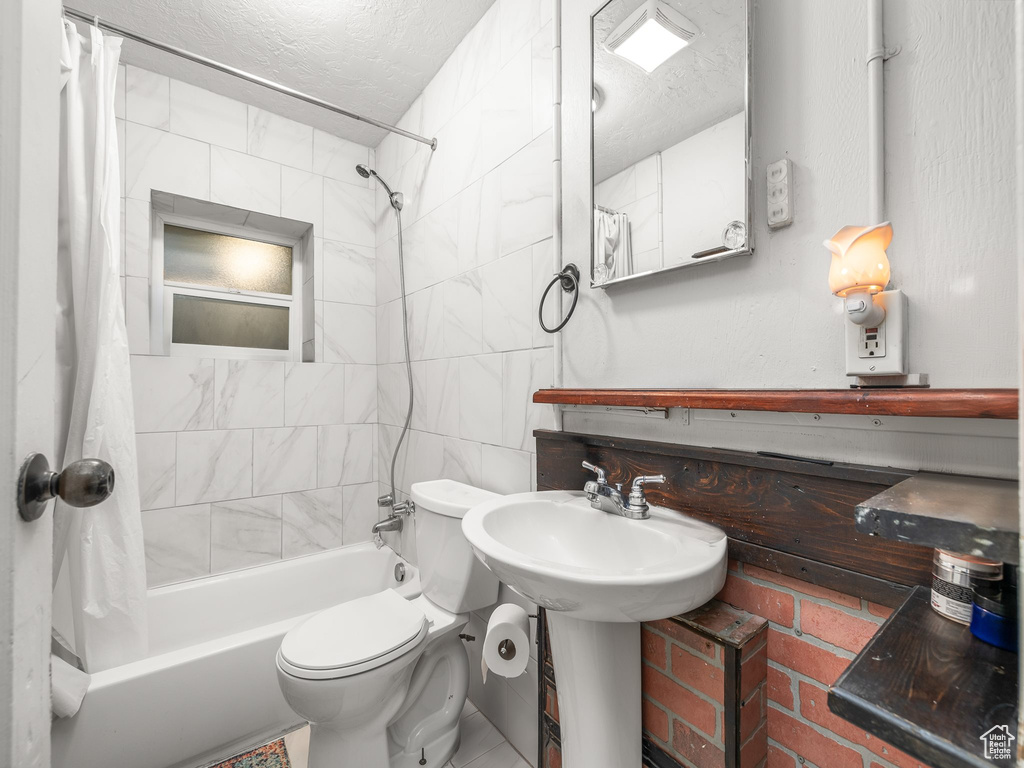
483 746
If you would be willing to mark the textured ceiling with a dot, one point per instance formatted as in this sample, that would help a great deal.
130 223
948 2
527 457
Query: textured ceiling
372 57
697 88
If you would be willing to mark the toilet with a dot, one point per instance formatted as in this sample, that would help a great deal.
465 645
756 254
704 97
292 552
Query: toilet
382 680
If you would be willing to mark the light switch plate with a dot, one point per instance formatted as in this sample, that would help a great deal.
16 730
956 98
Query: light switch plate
889 357
779 176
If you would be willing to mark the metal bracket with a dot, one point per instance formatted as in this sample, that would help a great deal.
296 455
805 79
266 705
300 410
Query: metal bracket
650 413
507 649
912 380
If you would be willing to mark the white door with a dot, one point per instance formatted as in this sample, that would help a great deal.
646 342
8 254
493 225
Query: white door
29 129
1020 331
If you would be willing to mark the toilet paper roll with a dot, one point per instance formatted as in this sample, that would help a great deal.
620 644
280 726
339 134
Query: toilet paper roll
506 649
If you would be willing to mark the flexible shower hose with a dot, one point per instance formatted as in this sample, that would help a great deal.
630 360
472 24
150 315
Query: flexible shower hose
408 358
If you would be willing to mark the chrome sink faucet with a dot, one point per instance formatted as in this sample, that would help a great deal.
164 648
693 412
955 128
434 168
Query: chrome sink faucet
613 501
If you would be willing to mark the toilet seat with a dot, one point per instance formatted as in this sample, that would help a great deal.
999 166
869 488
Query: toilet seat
356 636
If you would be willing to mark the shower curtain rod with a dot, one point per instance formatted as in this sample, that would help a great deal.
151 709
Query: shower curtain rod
195 57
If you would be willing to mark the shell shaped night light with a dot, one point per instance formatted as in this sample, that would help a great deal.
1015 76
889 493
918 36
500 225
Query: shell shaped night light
859 263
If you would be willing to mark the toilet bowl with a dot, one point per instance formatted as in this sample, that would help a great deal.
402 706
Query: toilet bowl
382 680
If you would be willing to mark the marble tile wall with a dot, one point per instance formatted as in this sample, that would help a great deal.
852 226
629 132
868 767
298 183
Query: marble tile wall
186 141
246 462
478 224
243 462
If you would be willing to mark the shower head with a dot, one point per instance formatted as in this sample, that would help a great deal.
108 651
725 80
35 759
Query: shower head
396 197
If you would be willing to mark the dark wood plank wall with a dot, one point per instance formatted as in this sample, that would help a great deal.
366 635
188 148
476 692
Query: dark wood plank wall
792 516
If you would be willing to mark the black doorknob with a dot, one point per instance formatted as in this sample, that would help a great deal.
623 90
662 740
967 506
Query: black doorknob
83 483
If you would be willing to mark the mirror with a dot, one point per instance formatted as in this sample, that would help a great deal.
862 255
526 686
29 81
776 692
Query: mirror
670 136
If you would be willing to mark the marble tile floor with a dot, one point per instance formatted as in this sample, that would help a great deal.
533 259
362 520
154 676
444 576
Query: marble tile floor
483 745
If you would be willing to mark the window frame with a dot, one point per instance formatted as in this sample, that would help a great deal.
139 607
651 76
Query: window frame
162 292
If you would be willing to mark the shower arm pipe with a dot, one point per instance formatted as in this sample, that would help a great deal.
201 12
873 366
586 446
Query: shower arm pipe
241 74
876 113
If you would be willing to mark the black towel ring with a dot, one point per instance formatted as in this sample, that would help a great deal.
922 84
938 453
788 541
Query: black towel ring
569 277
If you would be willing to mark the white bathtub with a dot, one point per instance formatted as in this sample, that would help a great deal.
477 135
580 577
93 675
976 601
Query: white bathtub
209 687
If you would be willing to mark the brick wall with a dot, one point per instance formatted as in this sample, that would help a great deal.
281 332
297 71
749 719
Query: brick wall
812 635
551 753
684 695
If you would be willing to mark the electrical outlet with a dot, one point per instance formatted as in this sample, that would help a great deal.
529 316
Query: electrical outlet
779 215
881 350
780 211
872 341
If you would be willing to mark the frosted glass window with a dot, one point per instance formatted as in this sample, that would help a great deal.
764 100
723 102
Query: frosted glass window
222 323
219 261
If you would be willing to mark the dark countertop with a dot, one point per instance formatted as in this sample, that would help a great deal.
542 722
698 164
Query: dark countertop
928 686
971 515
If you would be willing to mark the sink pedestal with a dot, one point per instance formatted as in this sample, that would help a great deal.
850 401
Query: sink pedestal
597 670
607 573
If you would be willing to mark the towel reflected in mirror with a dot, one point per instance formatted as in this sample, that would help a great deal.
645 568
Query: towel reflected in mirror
613 251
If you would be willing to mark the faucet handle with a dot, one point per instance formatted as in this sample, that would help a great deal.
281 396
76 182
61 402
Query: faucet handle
640 482
601 476
637 498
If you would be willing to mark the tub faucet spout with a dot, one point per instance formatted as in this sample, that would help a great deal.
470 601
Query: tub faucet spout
389 523
393 522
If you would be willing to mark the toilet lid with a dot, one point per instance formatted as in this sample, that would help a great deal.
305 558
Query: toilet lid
354 633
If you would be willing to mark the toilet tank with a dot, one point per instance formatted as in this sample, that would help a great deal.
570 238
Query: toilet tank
451 575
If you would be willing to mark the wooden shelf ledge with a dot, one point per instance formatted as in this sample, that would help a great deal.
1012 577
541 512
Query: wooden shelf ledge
925 684
942 403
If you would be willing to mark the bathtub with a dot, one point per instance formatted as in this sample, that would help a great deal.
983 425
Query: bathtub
209 686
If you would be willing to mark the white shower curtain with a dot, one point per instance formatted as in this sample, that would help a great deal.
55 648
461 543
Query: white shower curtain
94 417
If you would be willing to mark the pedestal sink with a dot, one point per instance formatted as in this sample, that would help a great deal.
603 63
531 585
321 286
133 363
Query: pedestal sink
599 576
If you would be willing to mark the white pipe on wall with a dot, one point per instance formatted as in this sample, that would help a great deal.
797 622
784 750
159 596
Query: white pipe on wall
1019 29
556 245
876 113
661 208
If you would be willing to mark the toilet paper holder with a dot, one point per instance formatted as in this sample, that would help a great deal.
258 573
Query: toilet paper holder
507 649
503 649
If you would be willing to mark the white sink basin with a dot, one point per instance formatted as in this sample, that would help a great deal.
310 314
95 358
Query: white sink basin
598 575
555 549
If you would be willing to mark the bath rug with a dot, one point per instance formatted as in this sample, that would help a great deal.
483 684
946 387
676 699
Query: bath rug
272 755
